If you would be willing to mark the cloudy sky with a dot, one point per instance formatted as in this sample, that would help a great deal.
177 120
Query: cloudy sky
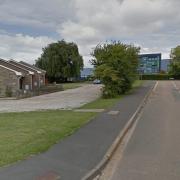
28 26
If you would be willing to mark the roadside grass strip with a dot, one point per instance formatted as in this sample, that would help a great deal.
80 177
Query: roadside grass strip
102 103
28 133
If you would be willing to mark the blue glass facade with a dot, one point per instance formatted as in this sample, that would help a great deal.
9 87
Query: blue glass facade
149 63
165 65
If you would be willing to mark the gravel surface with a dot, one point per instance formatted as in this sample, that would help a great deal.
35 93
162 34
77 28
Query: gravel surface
69 99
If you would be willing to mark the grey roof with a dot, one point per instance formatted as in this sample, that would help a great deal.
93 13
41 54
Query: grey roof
32 66
12 70
25 66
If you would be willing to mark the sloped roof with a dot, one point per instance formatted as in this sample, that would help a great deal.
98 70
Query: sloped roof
25 66
30 72
12 70
32 66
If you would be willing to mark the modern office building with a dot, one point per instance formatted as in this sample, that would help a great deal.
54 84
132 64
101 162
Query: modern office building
165 64
86 72
149 63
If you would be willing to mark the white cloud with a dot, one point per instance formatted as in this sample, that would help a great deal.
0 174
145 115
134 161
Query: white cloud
22 47
41 13
153 24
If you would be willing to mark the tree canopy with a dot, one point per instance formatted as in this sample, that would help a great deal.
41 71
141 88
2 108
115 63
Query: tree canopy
61 60
175 64
116 65
175 54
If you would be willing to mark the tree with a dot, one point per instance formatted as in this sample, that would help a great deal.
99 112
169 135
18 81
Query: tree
61 60
175 54
116 65
175 64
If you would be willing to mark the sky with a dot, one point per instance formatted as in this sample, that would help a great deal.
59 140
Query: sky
28 26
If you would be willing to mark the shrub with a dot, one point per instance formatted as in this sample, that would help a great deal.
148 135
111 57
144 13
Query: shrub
116 66
156 77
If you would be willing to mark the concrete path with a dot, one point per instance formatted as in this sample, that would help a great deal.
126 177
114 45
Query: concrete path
72 98
153 152
76 155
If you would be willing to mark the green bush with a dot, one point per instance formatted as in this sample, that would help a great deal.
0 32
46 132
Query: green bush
156 77
116 66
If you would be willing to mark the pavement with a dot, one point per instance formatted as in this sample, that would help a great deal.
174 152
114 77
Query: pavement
75 156
153 151
69 99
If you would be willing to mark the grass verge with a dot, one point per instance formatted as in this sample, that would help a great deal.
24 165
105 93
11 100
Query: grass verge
102 103
28 133
73 85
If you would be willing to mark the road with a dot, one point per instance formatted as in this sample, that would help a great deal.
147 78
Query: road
153 150
78 154
69 99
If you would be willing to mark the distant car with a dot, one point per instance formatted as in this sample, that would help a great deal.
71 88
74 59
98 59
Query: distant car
97 81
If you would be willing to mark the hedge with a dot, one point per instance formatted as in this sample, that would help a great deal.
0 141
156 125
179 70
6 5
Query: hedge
157 77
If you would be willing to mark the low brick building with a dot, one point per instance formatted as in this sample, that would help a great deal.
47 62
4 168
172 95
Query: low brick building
9 81
38 78
27 76
19 78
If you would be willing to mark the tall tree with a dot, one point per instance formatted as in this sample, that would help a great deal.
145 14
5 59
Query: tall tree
116 65
61 60
175 54
175 64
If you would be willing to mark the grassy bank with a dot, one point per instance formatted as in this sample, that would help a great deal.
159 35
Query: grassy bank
73 85
24 134
102 103
28 133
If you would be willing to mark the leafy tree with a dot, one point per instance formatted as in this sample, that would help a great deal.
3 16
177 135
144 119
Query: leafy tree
61 60
116 65
175 64
175 54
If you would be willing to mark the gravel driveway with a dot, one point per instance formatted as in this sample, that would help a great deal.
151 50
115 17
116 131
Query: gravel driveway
69 99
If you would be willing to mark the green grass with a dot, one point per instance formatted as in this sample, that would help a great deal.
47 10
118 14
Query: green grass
28 133
137 83
102 103
73 85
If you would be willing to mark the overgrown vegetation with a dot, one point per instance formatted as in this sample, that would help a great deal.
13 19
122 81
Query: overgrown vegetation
61 61
116 65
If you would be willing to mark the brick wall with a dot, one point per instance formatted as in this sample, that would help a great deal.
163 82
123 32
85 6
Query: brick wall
8 80
27 80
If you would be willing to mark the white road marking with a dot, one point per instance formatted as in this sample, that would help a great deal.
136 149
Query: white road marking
175 85
113 112
155 87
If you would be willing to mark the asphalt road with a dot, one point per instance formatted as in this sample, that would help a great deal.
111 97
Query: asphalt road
76 155
153 151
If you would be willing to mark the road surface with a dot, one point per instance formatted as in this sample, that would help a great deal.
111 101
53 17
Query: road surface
153 151
69 99
76 155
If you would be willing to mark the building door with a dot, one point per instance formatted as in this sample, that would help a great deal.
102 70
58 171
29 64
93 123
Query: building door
21 83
